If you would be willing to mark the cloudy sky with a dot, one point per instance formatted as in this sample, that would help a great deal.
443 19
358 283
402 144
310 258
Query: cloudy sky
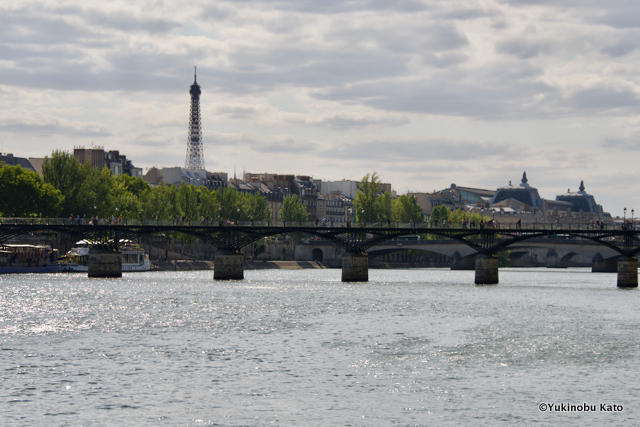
425 92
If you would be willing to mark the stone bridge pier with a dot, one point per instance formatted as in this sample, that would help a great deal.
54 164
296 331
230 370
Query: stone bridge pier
355 267
104 263
228 265
627 272
486 267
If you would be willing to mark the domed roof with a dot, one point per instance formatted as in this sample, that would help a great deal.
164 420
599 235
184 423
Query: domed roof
523 193
580 200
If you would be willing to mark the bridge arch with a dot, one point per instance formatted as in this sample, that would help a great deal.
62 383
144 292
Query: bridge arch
564 261
317 255
399 255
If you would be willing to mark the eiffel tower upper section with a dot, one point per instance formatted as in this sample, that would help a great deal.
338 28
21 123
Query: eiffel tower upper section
195 154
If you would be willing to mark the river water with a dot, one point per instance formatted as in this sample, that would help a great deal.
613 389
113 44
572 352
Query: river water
411 347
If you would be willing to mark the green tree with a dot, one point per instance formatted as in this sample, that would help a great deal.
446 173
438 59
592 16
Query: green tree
369 204
293 210
127 205
63 171
23 193
86 190
457 216
89 191
133 184
406 209
385 206
187 202
230 204
439 216
454 218
258 208
96 192
50 200
160 204
128 196
208 206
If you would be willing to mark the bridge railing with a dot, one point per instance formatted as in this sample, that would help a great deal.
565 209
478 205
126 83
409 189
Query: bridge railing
319 224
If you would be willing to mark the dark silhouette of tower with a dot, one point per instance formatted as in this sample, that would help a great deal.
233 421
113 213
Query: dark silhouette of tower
195 154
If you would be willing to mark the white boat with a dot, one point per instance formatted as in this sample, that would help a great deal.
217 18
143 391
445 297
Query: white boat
133 257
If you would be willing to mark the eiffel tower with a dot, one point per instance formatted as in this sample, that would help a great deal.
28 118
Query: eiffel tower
195 155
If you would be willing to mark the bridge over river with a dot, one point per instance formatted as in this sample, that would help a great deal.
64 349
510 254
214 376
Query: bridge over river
555 252
484 242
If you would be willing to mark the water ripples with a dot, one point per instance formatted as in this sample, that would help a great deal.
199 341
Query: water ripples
294 347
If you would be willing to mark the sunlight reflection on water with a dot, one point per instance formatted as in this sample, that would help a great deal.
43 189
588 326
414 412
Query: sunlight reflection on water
299 346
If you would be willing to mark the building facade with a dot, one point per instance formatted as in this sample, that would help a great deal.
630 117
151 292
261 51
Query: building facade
10 160
580 200
117 163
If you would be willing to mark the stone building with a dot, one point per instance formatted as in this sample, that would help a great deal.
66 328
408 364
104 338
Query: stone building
301 185
10 160
175 176
454 197
338 209
178 175
580 201
117 163
523 193
347 187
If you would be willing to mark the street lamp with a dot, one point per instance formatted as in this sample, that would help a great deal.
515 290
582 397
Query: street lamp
624 218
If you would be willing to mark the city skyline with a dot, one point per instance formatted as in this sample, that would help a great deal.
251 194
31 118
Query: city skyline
424 93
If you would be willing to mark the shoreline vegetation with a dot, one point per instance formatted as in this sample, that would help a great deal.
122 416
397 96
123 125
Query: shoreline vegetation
70 189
